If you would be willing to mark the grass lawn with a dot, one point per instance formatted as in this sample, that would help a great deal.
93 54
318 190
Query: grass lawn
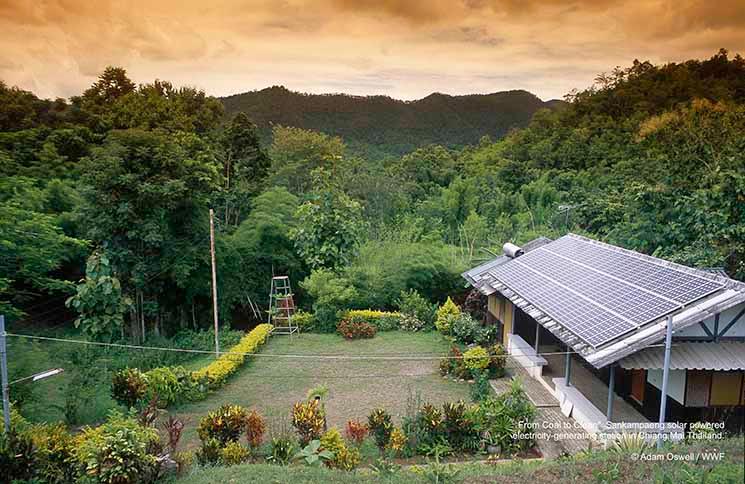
273 385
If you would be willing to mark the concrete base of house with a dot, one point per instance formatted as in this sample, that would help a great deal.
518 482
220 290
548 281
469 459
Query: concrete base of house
574 404
526 356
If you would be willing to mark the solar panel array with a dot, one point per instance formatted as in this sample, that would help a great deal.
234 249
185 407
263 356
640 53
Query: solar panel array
599 293
664 280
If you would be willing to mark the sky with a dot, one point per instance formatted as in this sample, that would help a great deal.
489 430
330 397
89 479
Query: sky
404 49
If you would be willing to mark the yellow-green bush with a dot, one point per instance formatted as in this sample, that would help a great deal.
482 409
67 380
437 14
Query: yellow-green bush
345 458
118 452
444 316
234 453
217 372
477 358
55 452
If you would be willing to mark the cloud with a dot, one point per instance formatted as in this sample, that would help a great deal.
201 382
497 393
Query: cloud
403 48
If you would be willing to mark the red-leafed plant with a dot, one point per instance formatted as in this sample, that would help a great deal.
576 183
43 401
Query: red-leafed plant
356 431
173 426
355 329
255 428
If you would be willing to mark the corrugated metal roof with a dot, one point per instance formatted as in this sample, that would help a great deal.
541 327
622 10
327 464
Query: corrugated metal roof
724 355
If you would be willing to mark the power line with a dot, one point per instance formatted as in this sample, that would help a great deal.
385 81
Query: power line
413 357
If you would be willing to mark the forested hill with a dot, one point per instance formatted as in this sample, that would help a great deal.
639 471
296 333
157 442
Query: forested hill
379 125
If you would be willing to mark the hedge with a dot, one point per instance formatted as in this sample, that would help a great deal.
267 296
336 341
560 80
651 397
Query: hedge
219 370
173 384
382 320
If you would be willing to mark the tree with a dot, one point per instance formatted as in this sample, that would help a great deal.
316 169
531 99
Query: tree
32 246
426 170
245 166
329 228
296 152
99 301
145 202
112 84
258 249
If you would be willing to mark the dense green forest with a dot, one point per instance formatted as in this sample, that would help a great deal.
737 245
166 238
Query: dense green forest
382 127
104 198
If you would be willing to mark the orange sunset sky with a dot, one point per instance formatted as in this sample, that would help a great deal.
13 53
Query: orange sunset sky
405 49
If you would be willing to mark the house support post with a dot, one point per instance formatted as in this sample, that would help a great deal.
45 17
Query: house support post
537 335
611 384
665 377
568 367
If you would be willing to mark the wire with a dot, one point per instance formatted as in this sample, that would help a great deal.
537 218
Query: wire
280 355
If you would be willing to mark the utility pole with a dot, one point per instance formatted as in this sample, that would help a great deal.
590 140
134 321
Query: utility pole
4 371
214 280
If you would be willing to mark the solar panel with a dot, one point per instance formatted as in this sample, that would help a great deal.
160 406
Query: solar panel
598 293
666 281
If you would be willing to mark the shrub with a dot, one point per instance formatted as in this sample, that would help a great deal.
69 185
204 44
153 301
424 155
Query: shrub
167 384
217 372
255 428
331 293
344 458
455 364
486 335
304 320
430 421
17 456
458 426
331 440
347 459
209 452
444 366
498 418
380 425
312 454
385 268
464 328
476 304
226 424
128 386
184 460
445 313
412 323
54 453
477 358
173 427
480 389
354 330
356 431
233 453
497 360
308 420
119 451
282 449
382 320
397 441
411 303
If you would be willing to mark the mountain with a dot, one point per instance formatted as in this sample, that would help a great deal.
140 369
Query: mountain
380 126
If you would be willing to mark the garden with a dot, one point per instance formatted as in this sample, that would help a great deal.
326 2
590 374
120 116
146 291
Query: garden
384 389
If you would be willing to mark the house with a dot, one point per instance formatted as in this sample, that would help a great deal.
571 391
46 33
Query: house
609 331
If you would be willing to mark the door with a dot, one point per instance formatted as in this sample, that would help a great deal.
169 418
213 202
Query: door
638 381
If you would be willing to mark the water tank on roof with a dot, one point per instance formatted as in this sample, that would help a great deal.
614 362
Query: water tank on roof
512 251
